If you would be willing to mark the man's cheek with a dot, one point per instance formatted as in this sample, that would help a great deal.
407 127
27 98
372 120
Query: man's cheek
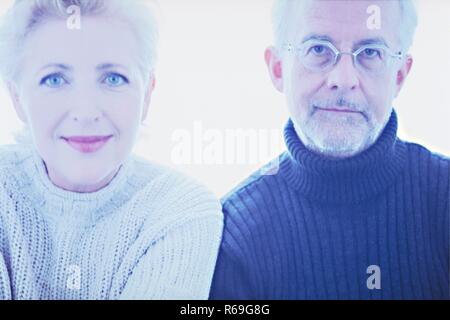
378 109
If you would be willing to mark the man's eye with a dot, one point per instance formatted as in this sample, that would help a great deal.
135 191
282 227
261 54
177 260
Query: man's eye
318 49
371 53
115 80
53 81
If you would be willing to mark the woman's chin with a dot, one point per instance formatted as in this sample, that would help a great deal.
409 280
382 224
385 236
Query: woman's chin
80 180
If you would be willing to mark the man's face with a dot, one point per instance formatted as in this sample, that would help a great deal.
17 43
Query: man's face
82 83
340 111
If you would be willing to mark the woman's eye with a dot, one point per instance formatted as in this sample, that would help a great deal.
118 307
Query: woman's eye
115 80
53 81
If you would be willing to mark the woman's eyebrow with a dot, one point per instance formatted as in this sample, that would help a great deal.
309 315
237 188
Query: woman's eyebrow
58 66
105 66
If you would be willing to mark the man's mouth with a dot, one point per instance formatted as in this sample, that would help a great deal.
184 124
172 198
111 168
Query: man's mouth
87 144
337 109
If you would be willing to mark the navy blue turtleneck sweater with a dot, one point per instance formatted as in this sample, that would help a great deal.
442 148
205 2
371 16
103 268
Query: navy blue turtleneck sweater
373 226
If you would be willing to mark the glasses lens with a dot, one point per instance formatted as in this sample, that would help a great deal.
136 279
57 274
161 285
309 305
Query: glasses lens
317 56
372 59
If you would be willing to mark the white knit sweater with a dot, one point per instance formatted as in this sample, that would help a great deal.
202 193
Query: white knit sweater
150 233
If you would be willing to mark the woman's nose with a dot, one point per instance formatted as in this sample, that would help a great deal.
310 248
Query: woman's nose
85 108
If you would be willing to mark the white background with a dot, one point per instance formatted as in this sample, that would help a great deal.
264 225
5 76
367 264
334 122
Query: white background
211 69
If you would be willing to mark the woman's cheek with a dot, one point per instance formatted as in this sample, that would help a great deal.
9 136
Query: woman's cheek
126 112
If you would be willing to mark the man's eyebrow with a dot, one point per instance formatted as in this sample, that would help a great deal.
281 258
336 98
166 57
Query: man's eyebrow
363 42
314 36
377 40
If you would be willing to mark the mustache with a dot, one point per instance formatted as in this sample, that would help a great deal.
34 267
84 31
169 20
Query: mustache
341 102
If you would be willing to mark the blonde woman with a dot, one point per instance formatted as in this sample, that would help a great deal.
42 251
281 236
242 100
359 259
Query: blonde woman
81 216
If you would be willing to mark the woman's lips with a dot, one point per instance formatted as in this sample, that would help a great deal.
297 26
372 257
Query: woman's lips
87 144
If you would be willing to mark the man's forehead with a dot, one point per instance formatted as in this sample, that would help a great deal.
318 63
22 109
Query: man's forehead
346 8
344 19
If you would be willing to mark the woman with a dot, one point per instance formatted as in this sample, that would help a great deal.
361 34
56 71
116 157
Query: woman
81 217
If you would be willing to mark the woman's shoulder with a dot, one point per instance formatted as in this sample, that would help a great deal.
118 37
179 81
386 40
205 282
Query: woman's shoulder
11 167
12 155
12 159
174 191
167 177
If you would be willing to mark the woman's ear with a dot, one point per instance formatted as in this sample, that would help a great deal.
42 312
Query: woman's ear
13 91
148 96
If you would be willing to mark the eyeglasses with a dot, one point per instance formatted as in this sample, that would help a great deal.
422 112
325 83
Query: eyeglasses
321 56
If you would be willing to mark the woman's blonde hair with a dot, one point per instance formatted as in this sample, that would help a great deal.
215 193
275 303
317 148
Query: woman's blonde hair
24 16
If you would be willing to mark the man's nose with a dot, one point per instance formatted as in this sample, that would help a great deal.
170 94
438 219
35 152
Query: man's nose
343 75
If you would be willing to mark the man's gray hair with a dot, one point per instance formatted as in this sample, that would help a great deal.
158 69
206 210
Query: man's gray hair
282 10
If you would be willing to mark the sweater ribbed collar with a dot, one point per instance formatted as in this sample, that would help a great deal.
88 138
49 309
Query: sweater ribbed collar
349 180
80 208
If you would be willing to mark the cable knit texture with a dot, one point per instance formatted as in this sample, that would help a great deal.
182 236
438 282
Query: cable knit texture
312 230
151 233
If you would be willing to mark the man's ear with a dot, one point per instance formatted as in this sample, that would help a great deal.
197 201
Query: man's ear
148 96
274 65
13 91
403 72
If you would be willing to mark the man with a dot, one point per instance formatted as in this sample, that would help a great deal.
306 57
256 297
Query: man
353 212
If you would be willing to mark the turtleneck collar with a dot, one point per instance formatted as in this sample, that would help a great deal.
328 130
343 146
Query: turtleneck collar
347 180
82 208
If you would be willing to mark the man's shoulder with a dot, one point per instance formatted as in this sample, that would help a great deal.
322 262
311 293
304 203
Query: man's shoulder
420 155
255 192
431 171
422 150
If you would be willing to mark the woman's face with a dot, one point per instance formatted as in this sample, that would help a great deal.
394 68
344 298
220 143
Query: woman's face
83 97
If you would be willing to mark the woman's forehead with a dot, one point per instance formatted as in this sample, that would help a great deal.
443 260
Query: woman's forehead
99 40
